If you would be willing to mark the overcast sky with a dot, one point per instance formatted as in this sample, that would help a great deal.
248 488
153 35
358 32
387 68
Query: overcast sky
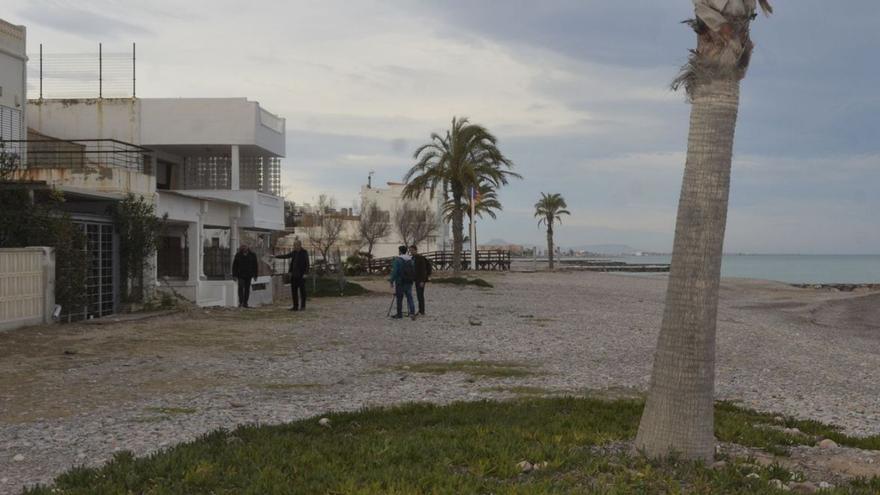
576 91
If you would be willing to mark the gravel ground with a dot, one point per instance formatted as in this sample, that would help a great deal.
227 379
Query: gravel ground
75 394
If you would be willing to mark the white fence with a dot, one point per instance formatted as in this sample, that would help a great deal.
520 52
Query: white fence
27 286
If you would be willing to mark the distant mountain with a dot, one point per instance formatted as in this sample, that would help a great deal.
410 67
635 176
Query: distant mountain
606 248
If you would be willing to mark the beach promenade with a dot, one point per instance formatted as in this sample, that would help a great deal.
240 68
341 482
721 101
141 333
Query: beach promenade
75 394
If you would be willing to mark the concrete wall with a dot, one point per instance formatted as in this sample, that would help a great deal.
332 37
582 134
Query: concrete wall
27 286
13 82
13 63
161 121
107 180
258 210
87 118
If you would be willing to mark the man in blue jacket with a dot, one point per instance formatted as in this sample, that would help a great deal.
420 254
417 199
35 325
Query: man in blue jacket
402 277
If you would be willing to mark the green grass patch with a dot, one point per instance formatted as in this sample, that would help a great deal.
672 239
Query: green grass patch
490 369
521 390
465 448
462 281
329 287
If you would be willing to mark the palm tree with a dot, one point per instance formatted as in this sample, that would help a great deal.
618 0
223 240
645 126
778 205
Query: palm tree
678 415
466 156
487 204
549 210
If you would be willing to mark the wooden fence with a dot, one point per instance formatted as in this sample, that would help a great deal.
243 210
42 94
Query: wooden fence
487 259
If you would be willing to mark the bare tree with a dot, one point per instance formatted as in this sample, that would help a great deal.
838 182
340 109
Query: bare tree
324 227
375 224
414 223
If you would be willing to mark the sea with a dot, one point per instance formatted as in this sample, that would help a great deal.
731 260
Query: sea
794 269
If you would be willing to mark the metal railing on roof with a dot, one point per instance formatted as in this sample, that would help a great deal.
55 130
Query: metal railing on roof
83 153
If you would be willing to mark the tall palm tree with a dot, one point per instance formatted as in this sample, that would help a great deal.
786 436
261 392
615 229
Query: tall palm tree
678 415
466 156
549 210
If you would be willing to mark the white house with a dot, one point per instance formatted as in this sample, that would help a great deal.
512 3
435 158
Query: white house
389 200
213 168
13 84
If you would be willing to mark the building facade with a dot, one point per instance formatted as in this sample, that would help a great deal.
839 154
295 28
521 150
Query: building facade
212 167
390 199
13 86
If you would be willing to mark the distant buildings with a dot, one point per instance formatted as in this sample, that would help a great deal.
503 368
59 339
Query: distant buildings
390 200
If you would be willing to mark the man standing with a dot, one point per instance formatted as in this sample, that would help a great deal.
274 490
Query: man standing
299 267
244 268
402 277
423 274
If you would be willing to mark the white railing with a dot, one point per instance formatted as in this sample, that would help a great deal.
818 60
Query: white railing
271 121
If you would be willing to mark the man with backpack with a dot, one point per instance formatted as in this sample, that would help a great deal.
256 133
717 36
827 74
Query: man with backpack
403 275
423 274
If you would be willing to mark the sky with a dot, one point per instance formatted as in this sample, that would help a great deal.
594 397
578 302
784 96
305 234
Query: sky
577 93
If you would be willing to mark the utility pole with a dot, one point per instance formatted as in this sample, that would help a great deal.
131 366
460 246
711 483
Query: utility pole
473 229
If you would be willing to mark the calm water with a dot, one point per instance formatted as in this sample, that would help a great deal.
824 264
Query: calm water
795 269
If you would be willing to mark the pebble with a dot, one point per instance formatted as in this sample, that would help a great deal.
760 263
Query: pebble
525 466
325 422
18 458
824 485
827 444
753 476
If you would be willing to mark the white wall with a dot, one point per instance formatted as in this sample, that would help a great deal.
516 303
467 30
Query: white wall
88 118
389 199
161 121
13 81
27 286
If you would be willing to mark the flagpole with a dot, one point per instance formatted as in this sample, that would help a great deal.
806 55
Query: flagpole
473 230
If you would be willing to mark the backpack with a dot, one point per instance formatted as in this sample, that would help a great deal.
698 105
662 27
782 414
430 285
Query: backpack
407 271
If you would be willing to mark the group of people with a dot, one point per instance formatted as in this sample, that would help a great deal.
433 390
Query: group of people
407 270
245 269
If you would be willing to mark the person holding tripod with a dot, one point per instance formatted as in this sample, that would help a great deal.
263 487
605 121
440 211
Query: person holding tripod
402 278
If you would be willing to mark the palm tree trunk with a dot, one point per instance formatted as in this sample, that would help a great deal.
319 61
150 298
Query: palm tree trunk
550 244
457 234
678 415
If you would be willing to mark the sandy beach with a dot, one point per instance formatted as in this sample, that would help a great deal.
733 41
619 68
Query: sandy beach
75 394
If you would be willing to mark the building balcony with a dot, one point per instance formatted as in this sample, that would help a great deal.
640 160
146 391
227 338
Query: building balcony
104 167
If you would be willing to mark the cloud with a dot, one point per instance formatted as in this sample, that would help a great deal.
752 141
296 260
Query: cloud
80 21
576 92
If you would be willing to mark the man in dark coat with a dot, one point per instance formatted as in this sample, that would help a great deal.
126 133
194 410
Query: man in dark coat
299 267
423 274
244 269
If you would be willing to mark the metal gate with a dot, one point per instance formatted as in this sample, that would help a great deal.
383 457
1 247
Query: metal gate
100 281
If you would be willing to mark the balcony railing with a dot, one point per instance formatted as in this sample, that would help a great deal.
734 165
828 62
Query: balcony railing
82 154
